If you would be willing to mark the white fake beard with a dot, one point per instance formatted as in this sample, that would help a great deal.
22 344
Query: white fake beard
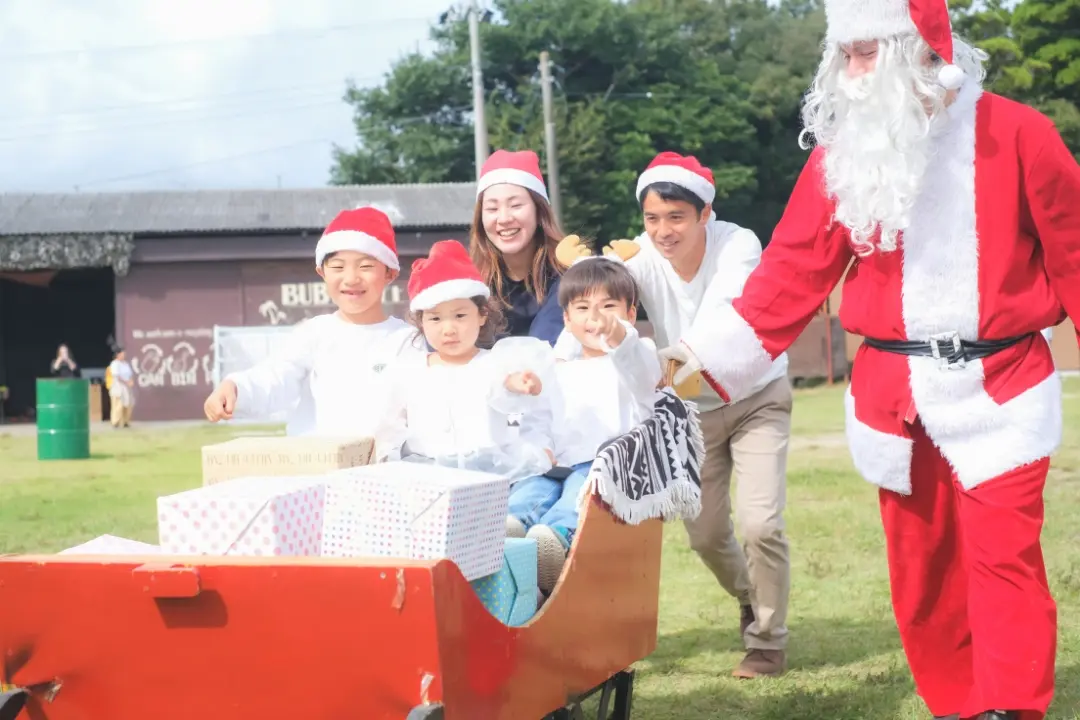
878 154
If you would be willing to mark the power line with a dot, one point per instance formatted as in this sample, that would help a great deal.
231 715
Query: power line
212 161
393 123
109 49
338 85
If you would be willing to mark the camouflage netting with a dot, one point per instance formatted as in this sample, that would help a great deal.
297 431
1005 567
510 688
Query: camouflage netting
67 252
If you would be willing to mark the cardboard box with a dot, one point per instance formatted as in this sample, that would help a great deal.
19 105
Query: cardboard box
112 545
247 516
512 594
282 456
423 512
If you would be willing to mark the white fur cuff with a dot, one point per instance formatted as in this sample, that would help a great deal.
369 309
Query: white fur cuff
729 350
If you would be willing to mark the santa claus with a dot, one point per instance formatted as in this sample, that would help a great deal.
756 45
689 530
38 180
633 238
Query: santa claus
959 214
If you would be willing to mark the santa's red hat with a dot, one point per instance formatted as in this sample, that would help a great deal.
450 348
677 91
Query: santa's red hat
365 230
515 168
853 20
447 273
684 171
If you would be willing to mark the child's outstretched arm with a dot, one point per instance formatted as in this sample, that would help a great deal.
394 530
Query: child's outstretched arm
274 385
638 364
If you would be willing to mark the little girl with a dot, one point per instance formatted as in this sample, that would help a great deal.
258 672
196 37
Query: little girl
448 405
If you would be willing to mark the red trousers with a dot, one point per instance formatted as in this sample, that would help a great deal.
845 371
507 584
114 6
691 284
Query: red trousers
969 589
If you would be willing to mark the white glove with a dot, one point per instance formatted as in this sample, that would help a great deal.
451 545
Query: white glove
687 361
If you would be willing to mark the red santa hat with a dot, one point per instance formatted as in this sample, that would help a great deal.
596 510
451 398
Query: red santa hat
515 168
684 171
447 273
853 20
365 230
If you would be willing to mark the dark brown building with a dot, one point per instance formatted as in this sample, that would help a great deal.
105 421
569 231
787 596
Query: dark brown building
156 271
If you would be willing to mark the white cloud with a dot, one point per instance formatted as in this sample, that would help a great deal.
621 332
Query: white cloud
241 93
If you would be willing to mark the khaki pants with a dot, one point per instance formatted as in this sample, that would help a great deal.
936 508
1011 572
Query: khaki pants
751 438
121 403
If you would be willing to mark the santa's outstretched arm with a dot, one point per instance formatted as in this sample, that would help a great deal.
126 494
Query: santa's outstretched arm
735 343
1053 196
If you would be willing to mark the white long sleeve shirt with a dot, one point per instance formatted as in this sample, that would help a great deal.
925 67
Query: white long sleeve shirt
598 399
731 254
444 412
329 377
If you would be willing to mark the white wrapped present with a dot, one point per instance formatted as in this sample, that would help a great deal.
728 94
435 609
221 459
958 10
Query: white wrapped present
422 512
246 516
112 545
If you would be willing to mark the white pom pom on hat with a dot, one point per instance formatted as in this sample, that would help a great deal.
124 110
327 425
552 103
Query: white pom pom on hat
853 20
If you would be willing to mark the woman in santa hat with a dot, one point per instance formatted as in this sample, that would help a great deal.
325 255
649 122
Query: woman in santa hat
513 240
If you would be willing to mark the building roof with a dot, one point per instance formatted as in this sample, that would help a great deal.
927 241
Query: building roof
204 211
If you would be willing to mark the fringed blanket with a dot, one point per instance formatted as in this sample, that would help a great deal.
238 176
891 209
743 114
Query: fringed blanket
653 471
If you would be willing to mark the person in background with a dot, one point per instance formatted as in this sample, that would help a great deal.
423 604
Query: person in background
121 390
328 377
64 365
513 239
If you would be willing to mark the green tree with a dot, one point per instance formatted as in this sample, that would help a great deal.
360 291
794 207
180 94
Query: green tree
721 80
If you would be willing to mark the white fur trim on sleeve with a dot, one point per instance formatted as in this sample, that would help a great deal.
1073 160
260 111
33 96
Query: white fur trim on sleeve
358 242
512 177
677 176
852 20
882 459
461 289
729 350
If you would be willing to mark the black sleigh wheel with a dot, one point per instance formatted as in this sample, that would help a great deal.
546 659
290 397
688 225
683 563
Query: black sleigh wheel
426 712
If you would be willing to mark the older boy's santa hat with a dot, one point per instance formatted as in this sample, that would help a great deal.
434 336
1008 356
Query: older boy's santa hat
686 172
447 273
853 20
365 230
516 168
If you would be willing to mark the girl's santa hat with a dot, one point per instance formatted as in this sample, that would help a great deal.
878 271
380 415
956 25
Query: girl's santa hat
515 168
447 273
853 20
365 230
684 171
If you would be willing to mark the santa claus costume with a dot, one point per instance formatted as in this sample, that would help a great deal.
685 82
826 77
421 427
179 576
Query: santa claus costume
960 210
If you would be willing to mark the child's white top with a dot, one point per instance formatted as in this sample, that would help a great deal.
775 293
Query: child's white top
445 412
329 376
672 304
596 400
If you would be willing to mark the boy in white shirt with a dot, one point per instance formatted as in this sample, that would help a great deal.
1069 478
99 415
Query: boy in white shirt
328 376
606 391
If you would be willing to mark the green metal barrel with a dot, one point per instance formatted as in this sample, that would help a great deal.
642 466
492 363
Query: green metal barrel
63 419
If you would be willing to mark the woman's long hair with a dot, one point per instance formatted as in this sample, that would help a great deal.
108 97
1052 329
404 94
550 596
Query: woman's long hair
488 259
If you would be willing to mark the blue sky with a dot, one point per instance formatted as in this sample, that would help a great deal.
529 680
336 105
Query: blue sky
127 94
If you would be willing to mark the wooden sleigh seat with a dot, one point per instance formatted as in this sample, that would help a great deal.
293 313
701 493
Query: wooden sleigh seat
127 638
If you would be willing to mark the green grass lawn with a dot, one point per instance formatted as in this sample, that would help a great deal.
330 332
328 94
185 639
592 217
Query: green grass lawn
845 653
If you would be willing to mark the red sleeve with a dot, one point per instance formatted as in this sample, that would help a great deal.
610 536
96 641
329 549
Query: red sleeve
1052 188
809 252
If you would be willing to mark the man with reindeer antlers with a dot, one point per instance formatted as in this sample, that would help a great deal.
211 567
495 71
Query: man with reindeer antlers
961 212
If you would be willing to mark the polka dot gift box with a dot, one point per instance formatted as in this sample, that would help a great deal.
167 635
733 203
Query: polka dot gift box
267 516
417 511
512 594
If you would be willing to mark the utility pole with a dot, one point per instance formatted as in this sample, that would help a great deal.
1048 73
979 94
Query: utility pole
549 137
480 133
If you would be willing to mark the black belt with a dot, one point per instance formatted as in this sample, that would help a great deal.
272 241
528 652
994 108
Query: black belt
947 347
